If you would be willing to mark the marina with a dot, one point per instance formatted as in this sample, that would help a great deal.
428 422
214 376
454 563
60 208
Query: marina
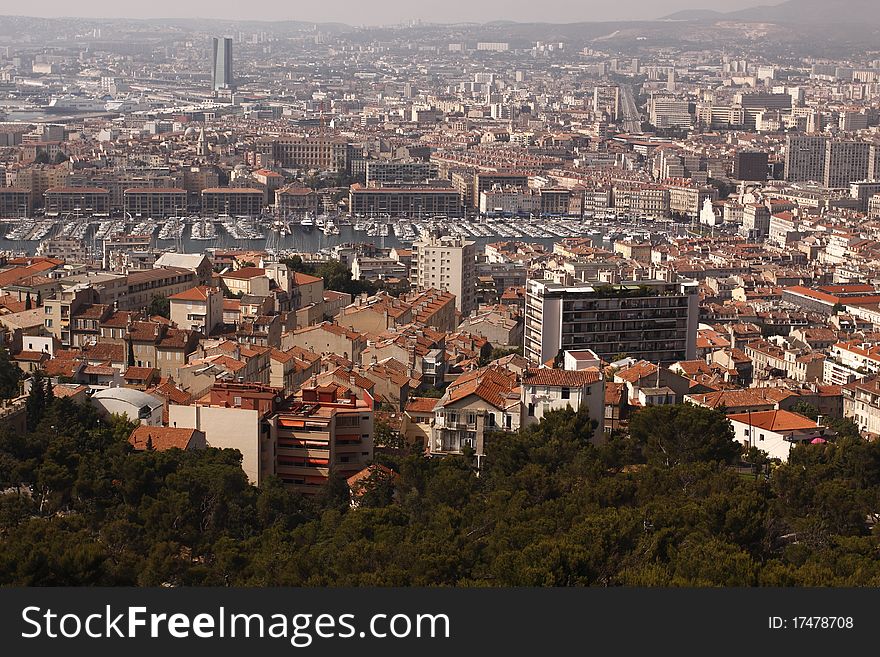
314 234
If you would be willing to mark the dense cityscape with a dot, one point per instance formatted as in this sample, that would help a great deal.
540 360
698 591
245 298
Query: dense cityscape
497 304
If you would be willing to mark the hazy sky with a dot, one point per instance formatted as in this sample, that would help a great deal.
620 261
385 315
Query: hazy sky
373 12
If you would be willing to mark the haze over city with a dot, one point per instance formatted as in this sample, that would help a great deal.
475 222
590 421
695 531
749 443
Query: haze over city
378 12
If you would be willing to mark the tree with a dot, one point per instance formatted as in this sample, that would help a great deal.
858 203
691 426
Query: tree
36 401
683 433
384 437
10 376
27 301
159 306
39 298
338 277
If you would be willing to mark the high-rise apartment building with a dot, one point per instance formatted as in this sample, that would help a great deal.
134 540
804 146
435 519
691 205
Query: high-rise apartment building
651 320
221 63
446 263
845 161
804 158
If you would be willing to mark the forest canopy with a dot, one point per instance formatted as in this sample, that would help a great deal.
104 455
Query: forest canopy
665 506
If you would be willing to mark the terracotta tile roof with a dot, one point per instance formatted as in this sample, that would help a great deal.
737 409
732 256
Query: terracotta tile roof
356 480
281 356
34 356
489 384
765 396
245 273
68 390
199 293
171 393
100 370
637 371
161 437
11 303
614 393
119 319
777 421
542 376
62 367
305 279
105 352
92 311
140 373
421 405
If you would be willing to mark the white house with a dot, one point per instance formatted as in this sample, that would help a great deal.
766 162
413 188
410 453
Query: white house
545 390
774 432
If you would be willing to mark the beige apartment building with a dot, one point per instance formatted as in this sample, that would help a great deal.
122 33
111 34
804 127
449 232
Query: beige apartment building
155 202
446 263
198 309
232 201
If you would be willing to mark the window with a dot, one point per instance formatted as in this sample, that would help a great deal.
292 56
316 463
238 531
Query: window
48 310
566 393
762 437
48 323
531 410
236 401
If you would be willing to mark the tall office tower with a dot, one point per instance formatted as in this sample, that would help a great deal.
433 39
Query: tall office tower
221 71
845 162
446 263
653 320
805 158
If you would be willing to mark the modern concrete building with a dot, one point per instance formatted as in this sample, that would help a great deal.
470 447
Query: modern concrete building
654 320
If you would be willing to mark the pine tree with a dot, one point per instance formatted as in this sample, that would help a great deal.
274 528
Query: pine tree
36 401
28 304
39 298
10 376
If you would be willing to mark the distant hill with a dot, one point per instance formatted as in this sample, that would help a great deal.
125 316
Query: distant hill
837 12
694 15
